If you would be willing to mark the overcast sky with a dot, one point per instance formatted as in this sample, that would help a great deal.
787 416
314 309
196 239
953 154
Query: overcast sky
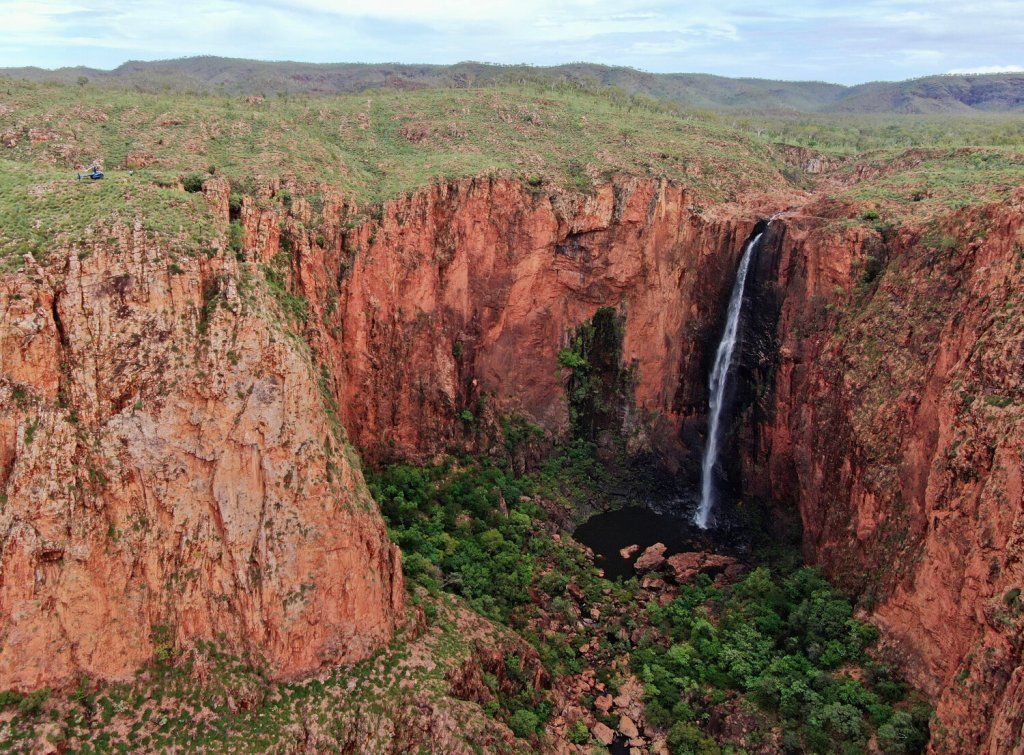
844 41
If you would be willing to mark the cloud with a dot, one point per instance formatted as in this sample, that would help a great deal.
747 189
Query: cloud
989 69
821 39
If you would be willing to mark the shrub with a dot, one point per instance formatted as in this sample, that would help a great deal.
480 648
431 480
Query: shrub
579 734
686 737
192 183
904 733
235 235
524 723
32 703
10 698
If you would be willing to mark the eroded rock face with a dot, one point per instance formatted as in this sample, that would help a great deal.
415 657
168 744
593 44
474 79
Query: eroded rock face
170 473
170 443
897 426
462 296
170 455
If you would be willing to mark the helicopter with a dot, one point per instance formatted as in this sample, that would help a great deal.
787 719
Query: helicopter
94 174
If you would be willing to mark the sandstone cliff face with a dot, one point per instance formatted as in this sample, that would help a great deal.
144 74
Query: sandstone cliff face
461 296
172 452
896 426
170 471
890 429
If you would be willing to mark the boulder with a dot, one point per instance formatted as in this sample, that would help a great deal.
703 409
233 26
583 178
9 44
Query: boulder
652 558
627 728
628 551
603 734
686 566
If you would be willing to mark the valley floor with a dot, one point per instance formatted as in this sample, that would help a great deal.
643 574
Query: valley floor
515 642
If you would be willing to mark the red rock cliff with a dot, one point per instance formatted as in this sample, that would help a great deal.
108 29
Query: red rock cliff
463 294
170 472
894 421
171 452
897 428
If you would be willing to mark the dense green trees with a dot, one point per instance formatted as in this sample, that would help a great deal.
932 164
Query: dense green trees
465 530
785 642
781 640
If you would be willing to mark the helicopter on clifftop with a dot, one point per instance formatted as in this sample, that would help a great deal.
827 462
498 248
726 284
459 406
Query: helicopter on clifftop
94 173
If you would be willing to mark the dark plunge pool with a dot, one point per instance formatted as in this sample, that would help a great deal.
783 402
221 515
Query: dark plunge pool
609 532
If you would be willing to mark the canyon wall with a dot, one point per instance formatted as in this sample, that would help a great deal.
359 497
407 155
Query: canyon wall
460 297
896 427
173 449
170 471
887 403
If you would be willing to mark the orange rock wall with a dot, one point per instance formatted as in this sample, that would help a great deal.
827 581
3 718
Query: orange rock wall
171 449
169 473
463 295
898 429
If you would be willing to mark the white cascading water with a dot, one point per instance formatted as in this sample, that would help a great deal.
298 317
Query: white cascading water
716 389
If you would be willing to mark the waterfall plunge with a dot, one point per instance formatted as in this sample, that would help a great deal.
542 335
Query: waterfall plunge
716 389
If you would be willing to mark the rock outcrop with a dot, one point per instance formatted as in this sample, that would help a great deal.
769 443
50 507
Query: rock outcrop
897 427
170 471
652 558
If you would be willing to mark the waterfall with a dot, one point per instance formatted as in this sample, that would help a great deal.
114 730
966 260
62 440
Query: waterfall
716 389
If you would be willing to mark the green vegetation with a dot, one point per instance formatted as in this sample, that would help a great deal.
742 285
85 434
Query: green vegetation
782 638
938 181
276 273
598 387
947 94
376 145
850 134
463 529
207 700
41 207
787 642
193 183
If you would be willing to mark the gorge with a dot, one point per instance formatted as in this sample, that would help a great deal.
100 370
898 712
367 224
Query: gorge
186 414
717 389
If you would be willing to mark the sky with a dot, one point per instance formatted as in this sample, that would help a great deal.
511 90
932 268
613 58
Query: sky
844 41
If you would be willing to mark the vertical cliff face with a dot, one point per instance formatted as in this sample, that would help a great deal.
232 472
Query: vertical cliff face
461 297
170 471
173 442
889 418
896 426
174 464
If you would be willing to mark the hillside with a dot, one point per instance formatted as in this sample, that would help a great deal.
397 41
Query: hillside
302 404
379 145
936 94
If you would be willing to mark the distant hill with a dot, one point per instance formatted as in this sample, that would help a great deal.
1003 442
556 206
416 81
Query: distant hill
991 93
934 94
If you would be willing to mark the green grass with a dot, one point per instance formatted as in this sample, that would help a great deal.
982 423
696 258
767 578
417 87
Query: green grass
43 208
942 180
856 134
379 144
